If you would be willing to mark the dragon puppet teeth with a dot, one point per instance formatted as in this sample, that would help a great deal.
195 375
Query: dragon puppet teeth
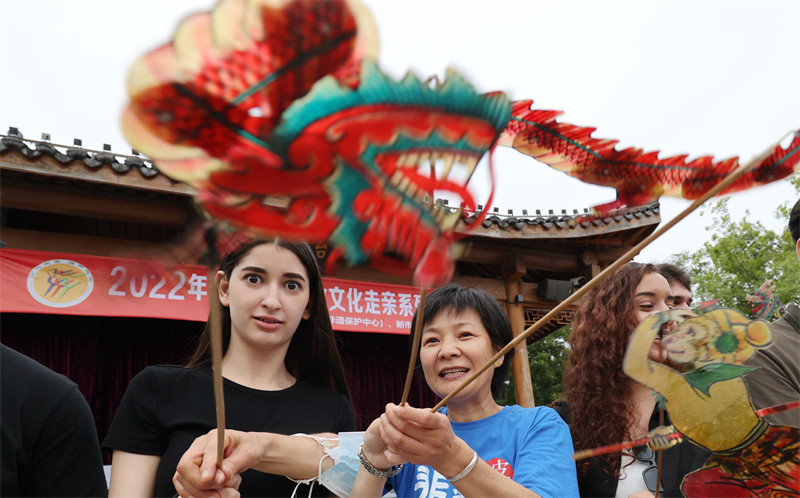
396 177
410 160
406 186
413 191
424 162
471 162
448 165
404 183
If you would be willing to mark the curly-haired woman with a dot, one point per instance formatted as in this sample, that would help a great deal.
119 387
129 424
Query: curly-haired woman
603 404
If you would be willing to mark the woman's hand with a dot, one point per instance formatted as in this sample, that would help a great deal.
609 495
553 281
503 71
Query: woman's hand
291 456
422 437
197 474
374 448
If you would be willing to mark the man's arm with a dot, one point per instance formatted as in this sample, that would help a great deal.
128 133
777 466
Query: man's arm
66 460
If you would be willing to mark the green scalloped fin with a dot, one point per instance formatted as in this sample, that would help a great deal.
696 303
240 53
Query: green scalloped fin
345 183
327 97
702 378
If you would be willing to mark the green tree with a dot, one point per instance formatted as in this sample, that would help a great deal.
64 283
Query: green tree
547 357
741 255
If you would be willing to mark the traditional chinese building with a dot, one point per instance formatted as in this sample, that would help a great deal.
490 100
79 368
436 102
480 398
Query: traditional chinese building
136 233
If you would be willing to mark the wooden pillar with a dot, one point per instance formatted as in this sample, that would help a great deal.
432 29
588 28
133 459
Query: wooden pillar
523 385
588 265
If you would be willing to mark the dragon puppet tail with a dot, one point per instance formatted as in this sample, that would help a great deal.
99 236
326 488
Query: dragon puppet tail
639 177
776 163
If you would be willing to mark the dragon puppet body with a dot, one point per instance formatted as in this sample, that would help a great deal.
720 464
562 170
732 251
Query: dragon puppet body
276 113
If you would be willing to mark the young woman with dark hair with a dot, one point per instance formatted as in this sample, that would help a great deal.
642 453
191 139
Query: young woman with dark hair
312 354
604 405
281 367
473 446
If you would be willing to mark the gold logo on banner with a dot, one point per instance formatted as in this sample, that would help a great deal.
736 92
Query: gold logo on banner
60 283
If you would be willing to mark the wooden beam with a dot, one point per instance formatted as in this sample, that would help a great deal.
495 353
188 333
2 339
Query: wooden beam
96 246
52 198
557 261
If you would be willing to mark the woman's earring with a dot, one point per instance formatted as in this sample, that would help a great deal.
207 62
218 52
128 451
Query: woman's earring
498 363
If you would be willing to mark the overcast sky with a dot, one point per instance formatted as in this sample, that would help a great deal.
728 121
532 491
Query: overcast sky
716 77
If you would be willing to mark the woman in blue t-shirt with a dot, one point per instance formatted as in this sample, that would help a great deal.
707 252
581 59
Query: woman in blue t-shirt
473 446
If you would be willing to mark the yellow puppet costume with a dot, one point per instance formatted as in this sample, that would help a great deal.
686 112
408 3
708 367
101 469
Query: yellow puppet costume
709 403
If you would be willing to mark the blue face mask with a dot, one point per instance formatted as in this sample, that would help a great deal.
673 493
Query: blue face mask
340 478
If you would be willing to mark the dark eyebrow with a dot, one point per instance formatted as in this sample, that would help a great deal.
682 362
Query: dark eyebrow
650 294
253 269
256 269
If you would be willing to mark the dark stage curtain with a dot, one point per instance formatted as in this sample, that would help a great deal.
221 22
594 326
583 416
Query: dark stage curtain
102 354
376 366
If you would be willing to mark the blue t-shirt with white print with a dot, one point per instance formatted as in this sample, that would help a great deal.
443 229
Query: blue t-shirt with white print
532 446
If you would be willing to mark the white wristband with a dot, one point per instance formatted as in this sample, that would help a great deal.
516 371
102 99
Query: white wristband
467 469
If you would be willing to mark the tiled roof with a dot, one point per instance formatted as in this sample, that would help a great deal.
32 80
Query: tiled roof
568 221
33 149
577 224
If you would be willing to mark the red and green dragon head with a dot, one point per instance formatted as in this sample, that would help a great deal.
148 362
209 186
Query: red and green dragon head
271 114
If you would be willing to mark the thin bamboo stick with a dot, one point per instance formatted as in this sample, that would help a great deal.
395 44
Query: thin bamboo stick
423 293
732 177
215 323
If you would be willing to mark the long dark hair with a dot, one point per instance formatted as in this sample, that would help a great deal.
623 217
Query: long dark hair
598 391
313 354
456 299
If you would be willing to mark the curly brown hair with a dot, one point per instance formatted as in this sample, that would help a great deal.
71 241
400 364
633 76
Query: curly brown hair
598 391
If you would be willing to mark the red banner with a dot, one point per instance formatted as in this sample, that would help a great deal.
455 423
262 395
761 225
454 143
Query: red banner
370 307
75 284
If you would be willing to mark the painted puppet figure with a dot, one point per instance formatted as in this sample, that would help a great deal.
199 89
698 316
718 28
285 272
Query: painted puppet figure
709 403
